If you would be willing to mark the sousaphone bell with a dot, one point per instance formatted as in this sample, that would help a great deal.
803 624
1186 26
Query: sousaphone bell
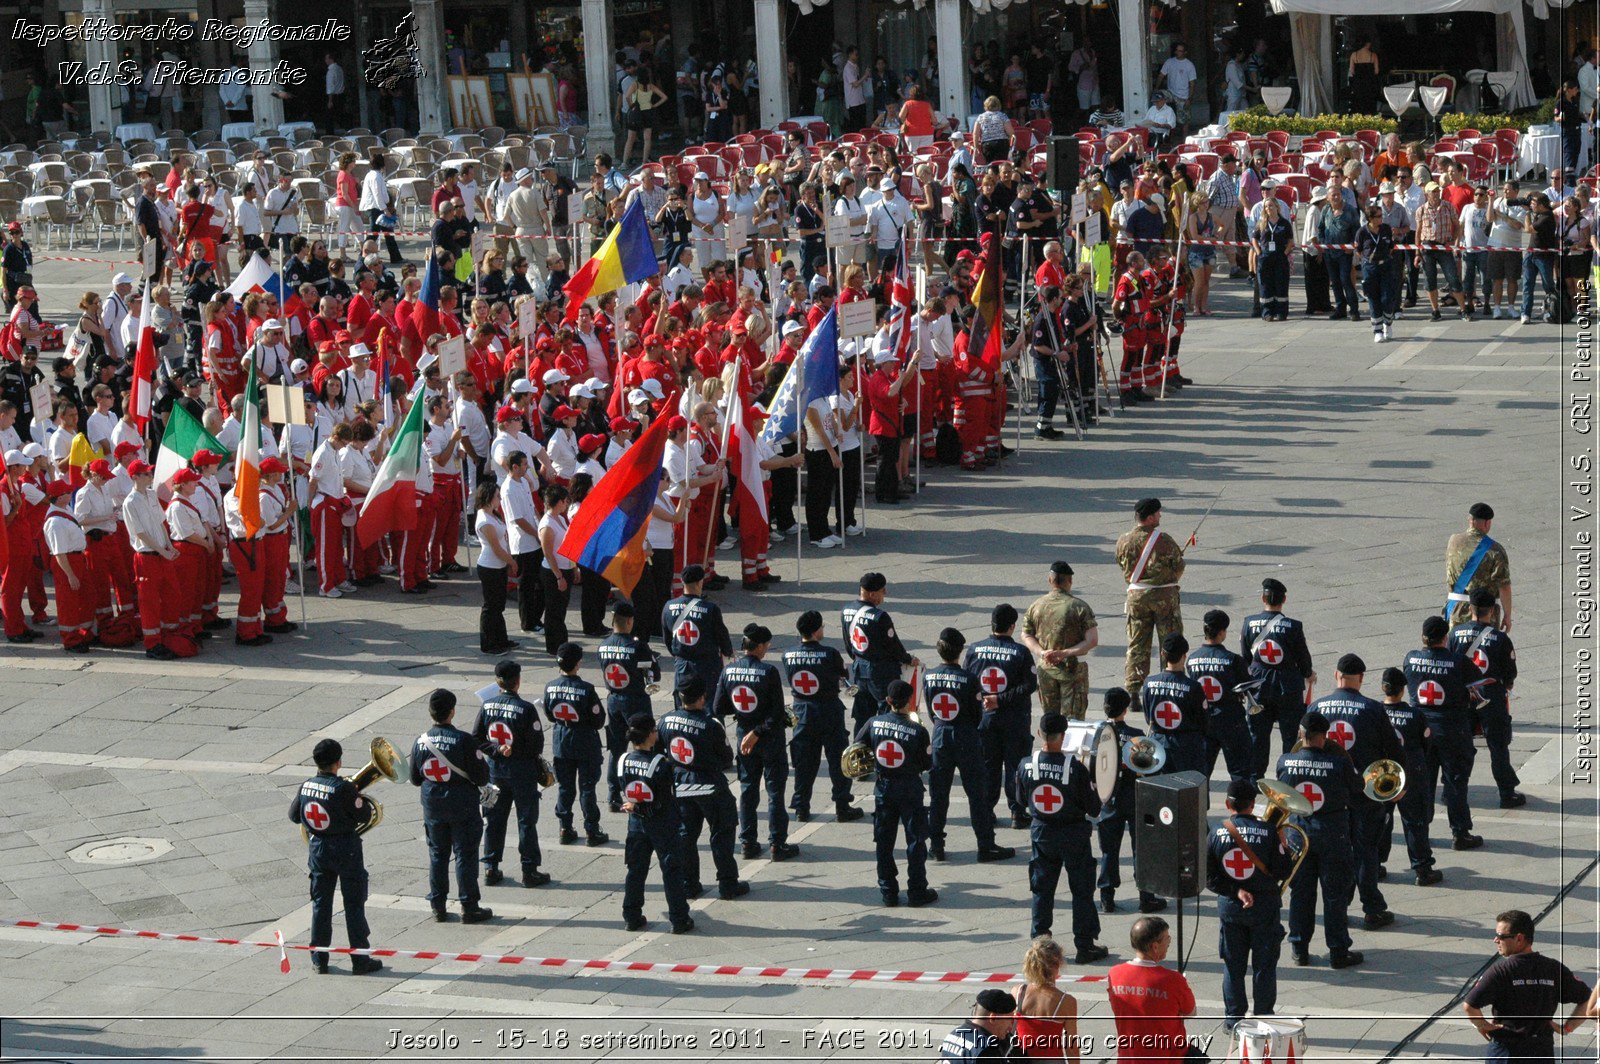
1384 780
1283 801
386 763
1144 755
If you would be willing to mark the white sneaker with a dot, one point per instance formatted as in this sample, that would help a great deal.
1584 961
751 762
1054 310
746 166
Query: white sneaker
774 537
1377 337
855 530
332 593
388 570
348 587
827 543
472 541
291 587
728 544
1524 319
1502 313
792 529
1388 330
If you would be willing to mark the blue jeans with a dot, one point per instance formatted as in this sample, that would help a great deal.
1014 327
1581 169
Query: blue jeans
1250 937
1345 299
1048 373
578 778
1541 265
1475 264
1380 285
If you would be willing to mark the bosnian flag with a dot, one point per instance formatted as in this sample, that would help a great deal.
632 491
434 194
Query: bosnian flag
745 457
247 462
816 369
391 502
144 363
257 276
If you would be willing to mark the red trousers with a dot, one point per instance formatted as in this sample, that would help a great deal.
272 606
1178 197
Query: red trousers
1131 374
74 606
159 598
447 507
250 569
106 557
972 425
189 581
702 512
755 535
327 525
415 543
20 572
275 576
212 591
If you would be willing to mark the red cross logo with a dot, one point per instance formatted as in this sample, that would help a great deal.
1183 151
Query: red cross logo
992 679
564 713
687 633
1270 653
889 753
1047 798
1168 715
616 676
1212 687
500 733
944 705
682 751
858 639
1430 693
1342 733
1237 864
804 683
639 792
1313 794
1480 659
744 699
315 816
436 770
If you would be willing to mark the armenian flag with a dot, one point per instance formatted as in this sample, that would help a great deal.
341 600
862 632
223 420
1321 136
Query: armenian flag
627 256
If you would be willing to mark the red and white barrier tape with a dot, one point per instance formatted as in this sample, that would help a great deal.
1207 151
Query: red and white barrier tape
867 975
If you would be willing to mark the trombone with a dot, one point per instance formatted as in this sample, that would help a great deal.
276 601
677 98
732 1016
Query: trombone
386 763
1283 801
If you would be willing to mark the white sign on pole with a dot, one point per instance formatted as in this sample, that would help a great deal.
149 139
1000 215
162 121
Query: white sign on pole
839 232
1092 230
39 397
285 404
858 318
738 234
452 356
1080 207
148 258
527 318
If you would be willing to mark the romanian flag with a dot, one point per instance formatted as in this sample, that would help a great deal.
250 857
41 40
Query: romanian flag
79 455
144 362
986 339
607 536
627 256
247 463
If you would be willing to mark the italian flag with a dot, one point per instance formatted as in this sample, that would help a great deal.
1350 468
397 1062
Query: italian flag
247 463
184 436
391 502
144 363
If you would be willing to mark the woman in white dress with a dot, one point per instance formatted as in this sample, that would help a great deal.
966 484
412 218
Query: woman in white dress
708 216
848 205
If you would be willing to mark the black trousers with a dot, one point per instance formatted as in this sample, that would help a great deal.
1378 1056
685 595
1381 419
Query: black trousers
851 462
518 788
653 592
394 249
822 489
592 597
887 487
530 593
1318 297
555 608
335 862
492 615
785 493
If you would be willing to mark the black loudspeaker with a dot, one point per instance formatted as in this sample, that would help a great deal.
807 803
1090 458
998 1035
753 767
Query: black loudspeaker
1061 166
1169 830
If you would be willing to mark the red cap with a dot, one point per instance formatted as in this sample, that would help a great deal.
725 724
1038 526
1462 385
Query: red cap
185 476
328 347
591 442
139 467
677 423
125 448
205 457
342 336
547 344
622 424
100 468
562 412
507 413
57 488
273 465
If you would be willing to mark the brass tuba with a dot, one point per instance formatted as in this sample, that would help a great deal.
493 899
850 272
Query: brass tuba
1384 780
1144 755
856 761
386 763
1283 801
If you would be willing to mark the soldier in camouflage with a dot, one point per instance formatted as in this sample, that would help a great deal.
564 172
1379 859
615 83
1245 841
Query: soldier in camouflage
1061 630
1490 569
1152 564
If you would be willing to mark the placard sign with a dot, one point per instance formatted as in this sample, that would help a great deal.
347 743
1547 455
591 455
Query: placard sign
452 356
858 318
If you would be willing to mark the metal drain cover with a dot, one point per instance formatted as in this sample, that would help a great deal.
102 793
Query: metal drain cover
125 850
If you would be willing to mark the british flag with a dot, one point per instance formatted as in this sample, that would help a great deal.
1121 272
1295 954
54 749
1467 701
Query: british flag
901 308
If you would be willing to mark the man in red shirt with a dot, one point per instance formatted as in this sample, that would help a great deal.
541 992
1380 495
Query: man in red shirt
360 308
1130 302
794 338
1458 193
686 304
719 287
821 303
1148 999
323 327
1053 270
883 394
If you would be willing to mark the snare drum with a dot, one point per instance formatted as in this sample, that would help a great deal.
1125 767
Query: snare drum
1095 744
1269 1040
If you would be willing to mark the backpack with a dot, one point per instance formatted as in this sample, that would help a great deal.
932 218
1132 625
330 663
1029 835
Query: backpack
1557 307
947 444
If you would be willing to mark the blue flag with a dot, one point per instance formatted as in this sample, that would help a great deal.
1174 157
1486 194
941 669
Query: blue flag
818 366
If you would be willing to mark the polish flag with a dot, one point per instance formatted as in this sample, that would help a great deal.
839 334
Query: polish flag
144 363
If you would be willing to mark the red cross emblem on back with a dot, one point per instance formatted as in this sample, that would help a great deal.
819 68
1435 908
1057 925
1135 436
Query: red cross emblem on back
1313 794
1342 733
889 754
682 751
805 683
1430 693
639 791
1212 687
315 816
858 639
944 705
992 679
743 699
436 770
1047 798
687 633
1270 653
1480 659
1168 715
1237 864
616 676
564 712
500 733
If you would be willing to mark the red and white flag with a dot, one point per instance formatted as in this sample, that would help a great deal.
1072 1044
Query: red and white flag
902 313
144 363
746 459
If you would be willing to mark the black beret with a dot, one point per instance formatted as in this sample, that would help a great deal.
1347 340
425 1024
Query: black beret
1002 617
326 752
641 722
1483 598
1053 724
1241 792
873 582
568 655
692 689
1351 664
1314 723
1060 569
996 1001
693 574
1145 507
1174 644
1393 679
1481 511
952 636
622 611
1434 627
757 633
899 692
1274 585
808 622
1216 619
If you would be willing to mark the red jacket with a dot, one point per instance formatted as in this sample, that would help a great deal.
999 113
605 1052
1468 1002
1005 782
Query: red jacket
884 409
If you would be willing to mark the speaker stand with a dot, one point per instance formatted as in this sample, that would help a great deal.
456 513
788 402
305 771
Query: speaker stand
1180 934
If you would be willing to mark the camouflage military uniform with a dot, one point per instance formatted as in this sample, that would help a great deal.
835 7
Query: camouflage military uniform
1492 572
1059 620
1153 606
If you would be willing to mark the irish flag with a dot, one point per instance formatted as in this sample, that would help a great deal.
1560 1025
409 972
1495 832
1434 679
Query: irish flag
391 503
247 463
184 436
144 362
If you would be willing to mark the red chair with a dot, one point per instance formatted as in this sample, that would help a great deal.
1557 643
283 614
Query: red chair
1280 138
1036 165
1317 172
1299 182
1236 136
1279 167
906 185
774 143
1368 138
744 138
784 127
1168 157
819 130
1470 134
1446 144
1041 127
1592 181
1477 168
733 155
1085 155
1509 137
669 162
1207 161
1295 162
887 140
685 173
1327 134
1023 139
853 138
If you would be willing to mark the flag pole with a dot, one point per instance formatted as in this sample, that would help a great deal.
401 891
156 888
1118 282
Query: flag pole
861 440
1177 266
299 536
800 474
912 320
1022 373
722 454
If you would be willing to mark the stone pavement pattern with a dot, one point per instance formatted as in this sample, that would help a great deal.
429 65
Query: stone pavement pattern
1346 466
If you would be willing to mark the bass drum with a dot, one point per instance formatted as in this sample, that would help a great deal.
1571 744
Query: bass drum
1095 744
1269 1040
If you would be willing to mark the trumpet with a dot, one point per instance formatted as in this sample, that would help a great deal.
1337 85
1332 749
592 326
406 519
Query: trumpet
386 763
1145 755
1284 801
1248 693
1384 780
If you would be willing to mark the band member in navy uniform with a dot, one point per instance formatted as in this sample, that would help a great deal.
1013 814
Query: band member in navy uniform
653 827
576 719
752 692
698 747
1246 862
986 1035
1491 652
1275 646
626 664
1116 816
816 672
1006 679
694 632
1220 672
451 766
332 811
1416 804
506 719
1323 773
1064 802
1361 727
1436 680
900 749
951 695
1175 708
876 653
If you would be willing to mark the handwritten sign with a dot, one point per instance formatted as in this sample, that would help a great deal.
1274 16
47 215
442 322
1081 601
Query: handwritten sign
1092 229
527 318
1080 207
39 398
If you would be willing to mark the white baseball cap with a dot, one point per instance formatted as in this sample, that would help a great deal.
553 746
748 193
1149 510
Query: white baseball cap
32 451
15 457
792 327
888 185
298 366
701 175
652 388
885 355
522 387
637 396
555 376
360 351
581 391
121 278
271 324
